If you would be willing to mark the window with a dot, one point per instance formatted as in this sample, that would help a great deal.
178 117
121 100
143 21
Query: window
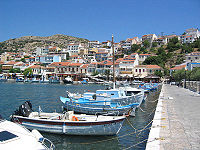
135 70
143 70
139 70
5 135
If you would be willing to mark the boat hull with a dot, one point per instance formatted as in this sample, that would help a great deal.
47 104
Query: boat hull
67 82
111 127
95 109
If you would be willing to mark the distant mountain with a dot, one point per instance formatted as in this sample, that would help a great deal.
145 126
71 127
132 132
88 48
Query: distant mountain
27 43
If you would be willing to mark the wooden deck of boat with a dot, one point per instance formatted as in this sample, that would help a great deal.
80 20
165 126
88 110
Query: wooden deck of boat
176 123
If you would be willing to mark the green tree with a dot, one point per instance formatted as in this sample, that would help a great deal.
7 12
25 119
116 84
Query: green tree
135 47
146 44
158 73
23 60
67 56
195 74
28 72
153 60
173 44
0 68
154 44
179 75
14 70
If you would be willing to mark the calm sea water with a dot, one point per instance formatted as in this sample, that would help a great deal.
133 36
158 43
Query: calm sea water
133 134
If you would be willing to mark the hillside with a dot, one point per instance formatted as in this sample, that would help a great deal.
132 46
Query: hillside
27 43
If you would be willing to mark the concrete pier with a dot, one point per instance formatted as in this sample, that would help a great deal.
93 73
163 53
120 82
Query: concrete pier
176 124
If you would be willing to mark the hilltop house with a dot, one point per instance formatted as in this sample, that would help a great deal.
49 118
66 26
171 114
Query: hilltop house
193 57
190 36
149 37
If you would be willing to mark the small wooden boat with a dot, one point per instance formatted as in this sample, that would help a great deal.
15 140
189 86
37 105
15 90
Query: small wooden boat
67 123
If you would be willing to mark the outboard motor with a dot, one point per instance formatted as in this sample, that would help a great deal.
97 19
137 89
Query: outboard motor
25 109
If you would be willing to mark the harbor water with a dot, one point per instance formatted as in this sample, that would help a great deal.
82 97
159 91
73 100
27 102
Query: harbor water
133 134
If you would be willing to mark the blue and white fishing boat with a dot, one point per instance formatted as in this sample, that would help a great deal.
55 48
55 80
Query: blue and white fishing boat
149 86
54 80
68 122
20 79
92 103
2 78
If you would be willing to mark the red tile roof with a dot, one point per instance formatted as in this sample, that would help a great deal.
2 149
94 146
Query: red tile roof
145 54
178 67
84 65
11 63
59 64
75 64
153 66
35 67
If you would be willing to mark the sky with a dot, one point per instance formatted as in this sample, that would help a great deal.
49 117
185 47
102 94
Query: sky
97 19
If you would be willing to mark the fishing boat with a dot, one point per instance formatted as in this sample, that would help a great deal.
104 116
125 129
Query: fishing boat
20 79
15 136
139 94
92 103
35 80
68 80
148 87
68 122
2 78
54 79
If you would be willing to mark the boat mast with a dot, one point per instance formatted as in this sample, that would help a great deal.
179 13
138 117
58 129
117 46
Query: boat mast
113 62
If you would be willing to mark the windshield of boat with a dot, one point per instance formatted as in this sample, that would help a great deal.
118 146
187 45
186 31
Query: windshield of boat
5 136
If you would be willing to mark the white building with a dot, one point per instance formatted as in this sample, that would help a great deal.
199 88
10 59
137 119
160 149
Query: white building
74 49
193 57
190 36
149 37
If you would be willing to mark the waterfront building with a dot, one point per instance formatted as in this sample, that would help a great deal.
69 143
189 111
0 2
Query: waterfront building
142 71
126 66
103 66
92 67
9 65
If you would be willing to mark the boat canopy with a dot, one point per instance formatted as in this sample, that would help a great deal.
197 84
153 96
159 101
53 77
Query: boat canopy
114 93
